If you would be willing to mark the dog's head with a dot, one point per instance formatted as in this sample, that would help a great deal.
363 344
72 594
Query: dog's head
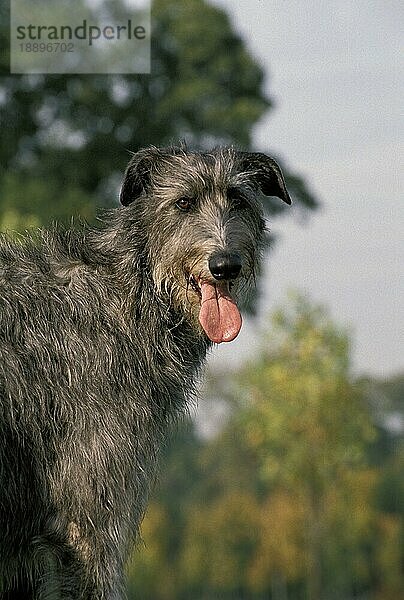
204 227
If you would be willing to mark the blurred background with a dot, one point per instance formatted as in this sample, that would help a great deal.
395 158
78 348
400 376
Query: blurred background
286 481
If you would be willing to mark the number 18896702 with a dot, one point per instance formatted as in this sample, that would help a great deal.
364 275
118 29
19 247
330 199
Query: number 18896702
47 47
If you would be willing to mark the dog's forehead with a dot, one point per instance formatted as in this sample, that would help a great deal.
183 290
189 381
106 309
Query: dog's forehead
207 170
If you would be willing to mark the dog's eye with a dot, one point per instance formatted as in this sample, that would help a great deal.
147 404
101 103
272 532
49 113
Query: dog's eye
184 203
236 198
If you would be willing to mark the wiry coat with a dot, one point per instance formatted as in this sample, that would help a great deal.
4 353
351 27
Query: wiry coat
100 347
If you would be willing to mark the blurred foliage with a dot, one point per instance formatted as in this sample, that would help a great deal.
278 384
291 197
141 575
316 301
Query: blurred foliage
292 498
28 206
65 139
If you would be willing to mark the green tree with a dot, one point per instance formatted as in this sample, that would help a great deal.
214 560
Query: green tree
306 418
386 402
75 131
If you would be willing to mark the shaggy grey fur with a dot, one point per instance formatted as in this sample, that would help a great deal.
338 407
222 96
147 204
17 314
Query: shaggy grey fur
100 345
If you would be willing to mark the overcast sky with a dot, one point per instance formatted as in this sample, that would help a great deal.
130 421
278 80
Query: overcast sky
333 70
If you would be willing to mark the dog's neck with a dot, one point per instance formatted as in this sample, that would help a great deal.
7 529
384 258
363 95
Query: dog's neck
169 342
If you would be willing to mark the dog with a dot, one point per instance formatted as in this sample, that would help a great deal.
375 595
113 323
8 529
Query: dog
103 332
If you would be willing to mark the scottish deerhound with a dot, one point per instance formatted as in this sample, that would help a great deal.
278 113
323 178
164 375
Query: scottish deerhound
103 332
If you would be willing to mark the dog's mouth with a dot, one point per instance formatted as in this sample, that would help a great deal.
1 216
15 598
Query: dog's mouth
219 315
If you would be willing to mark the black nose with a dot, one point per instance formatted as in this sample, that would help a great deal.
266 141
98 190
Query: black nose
225 265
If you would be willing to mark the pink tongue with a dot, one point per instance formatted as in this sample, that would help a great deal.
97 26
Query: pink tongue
219 315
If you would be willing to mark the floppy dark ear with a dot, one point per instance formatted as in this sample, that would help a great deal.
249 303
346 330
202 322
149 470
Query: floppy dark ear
138 175
266 173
